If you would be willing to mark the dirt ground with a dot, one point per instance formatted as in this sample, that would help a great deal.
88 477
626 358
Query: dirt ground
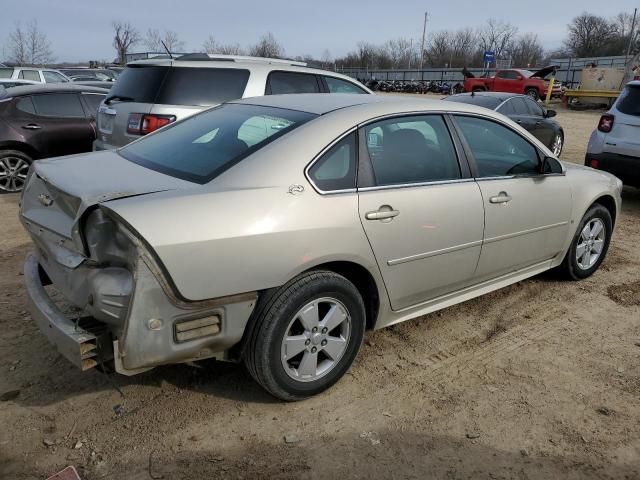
538 380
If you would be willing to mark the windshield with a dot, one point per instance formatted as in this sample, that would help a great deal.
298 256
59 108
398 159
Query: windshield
629 101
201 147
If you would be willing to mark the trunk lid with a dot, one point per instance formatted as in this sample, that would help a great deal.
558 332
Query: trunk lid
60 190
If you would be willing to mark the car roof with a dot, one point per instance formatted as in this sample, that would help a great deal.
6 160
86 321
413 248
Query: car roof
239 62
497 95
51 88
323 103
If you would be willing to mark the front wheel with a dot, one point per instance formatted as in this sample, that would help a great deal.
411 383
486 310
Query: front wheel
14 166
306 335
589 245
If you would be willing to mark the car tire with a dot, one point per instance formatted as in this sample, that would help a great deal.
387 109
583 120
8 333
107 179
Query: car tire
578 263
313 359
558 137
533 93
14 166
477 89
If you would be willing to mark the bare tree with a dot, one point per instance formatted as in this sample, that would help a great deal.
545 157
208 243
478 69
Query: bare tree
590 36
29 46
326 58
125 36
496 36
400 52
154 41
210 45
267 47
526 51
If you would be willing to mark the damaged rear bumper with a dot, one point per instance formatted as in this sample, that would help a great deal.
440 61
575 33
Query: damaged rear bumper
158 328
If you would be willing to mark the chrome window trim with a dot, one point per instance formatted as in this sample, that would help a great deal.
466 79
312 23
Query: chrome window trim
319 155
420 184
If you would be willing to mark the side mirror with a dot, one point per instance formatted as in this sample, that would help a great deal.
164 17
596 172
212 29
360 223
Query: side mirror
550 113
550 165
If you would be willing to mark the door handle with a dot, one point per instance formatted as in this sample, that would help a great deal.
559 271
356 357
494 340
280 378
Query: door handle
502 197
382 214
31 126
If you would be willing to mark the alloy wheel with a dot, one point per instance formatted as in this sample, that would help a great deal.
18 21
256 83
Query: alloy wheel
556 147
590 243
13 173
316 339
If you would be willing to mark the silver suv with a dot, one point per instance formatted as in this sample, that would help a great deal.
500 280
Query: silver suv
150 94
614 145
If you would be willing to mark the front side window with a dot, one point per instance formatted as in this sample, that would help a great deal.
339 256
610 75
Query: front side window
58 105
507 108
533 107
519 106
498 151
201 147
53 77
280 83
336 169
337 85
413 149
29 75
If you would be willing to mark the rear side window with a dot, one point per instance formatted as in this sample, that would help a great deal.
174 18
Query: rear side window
6 72
337 85
629 101
58 105
29 75
53 77
280 83
202 86
336 169
139 84
93 102
411 150
507 108
200 148
24 104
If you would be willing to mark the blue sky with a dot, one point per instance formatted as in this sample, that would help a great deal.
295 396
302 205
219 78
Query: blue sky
81 29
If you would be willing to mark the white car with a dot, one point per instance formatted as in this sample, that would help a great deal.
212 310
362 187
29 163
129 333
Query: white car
614 145
38 75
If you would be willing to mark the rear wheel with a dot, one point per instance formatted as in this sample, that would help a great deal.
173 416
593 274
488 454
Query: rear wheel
14 166
307 334
533 93
589 245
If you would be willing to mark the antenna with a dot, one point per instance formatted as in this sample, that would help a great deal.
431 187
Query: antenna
165 47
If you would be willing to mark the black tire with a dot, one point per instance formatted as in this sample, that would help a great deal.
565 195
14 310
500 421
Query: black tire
533 93
569 267
477 89
9 158
276 309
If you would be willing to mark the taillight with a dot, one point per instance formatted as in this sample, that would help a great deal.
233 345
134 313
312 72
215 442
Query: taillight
141 124
593 163
606 123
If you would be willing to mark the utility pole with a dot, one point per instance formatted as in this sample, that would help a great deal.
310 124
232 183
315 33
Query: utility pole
631 35
424 32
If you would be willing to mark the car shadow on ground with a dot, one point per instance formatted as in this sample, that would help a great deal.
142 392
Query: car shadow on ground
386 453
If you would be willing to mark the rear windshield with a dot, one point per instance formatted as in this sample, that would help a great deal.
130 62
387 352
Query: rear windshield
180 85
480 100
629 101
201 147
138 84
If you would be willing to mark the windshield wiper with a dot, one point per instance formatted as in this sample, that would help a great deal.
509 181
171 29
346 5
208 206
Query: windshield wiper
107 100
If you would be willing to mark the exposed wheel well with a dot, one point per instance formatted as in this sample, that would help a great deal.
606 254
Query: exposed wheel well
609 203
21 147
363 281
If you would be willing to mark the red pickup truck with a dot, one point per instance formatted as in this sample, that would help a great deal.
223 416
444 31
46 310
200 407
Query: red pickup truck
514 81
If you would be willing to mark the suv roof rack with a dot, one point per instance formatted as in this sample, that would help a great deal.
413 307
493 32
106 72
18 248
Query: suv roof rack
237 58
